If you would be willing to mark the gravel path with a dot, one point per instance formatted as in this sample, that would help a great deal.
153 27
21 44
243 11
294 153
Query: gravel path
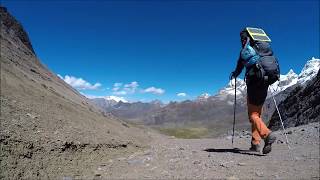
170 158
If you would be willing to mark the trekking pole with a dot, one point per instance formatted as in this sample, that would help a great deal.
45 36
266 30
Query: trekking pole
275 103
234 107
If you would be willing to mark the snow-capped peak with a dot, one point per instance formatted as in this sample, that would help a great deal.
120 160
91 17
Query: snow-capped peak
203 96
309 70
290 79
115 98
292 73
239 82
229 89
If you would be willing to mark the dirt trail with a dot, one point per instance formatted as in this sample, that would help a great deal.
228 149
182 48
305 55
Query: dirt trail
170 158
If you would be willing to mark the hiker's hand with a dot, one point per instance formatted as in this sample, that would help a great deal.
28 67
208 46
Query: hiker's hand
232 75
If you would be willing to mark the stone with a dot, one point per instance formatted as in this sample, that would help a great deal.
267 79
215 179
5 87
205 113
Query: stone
242 164
232 178
147 159
289 132
121 159
279 141
259 173
197 162
66 178
224 165
297 158
135 162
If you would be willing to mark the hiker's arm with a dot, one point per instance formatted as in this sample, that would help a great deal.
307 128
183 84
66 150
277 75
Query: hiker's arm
239 67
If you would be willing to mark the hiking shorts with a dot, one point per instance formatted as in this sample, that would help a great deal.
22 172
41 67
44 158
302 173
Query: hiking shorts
257 93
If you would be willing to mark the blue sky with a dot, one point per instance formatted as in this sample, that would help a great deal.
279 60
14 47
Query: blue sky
144 50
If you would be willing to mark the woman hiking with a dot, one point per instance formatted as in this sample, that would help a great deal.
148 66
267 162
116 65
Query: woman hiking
254 51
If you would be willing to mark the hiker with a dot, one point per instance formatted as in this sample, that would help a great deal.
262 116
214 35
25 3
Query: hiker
253 52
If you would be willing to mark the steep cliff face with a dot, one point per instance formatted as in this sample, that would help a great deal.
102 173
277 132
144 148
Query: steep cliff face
302 106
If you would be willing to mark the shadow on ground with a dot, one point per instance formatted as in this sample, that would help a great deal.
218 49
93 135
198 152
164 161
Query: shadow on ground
234 150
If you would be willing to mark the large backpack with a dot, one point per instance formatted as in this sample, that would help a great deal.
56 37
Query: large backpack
266 69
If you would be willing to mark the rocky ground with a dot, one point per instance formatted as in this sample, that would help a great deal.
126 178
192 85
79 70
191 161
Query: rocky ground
171 158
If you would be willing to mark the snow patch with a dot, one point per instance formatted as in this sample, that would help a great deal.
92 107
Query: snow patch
115 98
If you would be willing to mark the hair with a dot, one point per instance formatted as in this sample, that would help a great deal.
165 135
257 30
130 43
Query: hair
244 34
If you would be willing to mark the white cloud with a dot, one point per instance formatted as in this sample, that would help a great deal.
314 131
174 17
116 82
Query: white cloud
120 93
133 84
182 94
154 90
115 88
120 89
79 83
91 96
116 98
117 84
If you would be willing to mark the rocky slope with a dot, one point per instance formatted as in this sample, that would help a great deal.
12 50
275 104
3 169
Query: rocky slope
48 129
302 106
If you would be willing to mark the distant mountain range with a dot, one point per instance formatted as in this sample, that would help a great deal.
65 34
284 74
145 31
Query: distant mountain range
132 111
214 111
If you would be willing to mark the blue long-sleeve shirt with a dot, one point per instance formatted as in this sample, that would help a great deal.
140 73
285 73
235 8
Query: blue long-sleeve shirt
250 55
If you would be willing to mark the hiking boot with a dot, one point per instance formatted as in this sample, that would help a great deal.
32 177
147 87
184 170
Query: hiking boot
271 138
255 147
